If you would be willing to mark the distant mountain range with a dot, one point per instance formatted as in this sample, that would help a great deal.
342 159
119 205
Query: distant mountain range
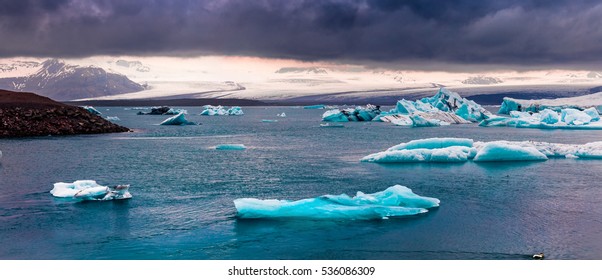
61 81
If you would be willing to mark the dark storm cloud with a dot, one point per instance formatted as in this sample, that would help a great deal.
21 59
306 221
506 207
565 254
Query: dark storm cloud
511 32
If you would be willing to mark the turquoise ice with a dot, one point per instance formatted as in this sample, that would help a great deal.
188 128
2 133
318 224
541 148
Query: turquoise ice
237 147
395 201
178 119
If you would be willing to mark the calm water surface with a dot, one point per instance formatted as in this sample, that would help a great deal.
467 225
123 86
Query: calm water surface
183 191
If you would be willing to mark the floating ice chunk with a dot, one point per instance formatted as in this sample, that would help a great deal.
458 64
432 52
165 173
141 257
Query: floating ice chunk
163 110
433 143
574 117
503 151
283 115
590 150
178 119
221 111
392 202
334 116
237 147
89 190
92 110
319 106
548 116
109 118
449 154
269 121
331 125
419 121
593 113
359 114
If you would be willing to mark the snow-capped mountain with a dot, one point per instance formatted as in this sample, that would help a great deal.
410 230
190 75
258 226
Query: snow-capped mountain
61 81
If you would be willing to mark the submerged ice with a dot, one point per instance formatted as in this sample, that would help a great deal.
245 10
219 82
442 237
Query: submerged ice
393 202
463 149
89 190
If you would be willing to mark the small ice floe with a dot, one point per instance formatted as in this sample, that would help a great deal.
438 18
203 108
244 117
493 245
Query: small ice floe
90 190
232 147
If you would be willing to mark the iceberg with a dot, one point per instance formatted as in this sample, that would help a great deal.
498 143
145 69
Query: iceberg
593 100
221 111
395 201
178 119
269 121
109 118
90 190
283 115
502 151
567 118
358 114
236 147
92 110
463 149
163 110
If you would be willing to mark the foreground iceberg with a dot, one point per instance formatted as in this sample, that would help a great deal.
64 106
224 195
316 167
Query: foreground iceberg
463 149
178 119
90 190
237 147
393 202
210 110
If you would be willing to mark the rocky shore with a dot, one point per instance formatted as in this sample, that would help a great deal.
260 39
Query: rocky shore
25 114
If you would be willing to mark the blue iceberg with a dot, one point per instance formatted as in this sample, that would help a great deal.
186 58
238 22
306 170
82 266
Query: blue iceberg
463 149
503 151
358 114
178 119
237 147
319 106
395 201
90 190
92 110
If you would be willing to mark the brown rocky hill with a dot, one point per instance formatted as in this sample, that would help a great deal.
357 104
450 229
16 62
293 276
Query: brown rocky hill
24 114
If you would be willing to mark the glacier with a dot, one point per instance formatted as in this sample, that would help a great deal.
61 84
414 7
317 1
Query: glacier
219 110
178 119
464 149
395 201
90 190
444 108
237 147
92 110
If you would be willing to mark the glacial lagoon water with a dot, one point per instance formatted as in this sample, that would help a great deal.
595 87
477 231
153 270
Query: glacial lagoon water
183 191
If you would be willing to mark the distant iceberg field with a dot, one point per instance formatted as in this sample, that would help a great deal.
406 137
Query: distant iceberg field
463 149
395 201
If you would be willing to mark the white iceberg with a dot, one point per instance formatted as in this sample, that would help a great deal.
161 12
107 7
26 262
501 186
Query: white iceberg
580 102
90 190
178 119
237 147
393 202
221 111
463 149
567 118
110 118
283 115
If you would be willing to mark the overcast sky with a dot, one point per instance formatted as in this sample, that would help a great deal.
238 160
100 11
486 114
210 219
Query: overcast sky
479 33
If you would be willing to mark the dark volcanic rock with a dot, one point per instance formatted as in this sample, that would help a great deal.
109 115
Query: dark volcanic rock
24 114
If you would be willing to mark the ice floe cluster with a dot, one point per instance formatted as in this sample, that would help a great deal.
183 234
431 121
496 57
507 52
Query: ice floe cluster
179 119
580 102
393 202
210 110
567 118
444 108
463 149
90 190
